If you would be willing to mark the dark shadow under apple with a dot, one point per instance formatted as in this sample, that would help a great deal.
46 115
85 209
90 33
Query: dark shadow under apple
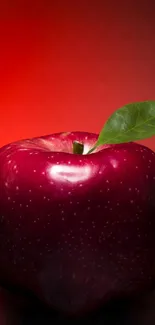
140 311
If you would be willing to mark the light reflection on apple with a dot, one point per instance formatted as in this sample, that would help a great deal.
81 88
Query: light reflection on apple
72 174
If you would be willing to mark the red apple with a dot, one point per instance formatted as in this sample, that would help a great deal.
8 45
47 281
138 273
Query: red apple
77 229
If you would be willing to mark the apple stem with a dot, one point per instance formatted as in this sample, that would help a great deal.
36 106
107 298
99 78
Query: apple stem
78 147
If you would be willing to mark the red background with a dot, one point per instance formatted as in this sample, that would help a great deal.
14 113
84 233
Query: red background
68 66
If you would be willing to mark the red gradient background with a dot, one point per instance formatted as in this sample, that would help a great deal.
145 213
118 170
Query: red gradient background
67 66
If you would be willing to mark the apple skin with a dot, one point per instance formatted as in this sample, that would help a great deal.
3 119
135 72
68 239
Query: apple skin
77 230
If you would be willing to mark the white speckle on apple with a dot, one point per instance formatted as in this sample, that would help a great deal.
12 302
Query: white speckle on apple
107 181
17 188
30 191
69 193
69 162
9 198
88 208
9 162
108 189
98 206
130 189
80 185
34 221
44 197
27 205
125 159
75 213
34 170
20 205
147 176
101 191
61 189
137 167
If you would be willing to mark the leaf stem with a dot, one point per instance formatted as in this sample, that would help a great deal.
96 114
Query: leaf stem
92 149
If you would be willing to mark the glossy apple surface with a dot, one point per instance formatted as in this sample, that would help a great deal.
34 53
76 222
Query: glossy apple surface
77 230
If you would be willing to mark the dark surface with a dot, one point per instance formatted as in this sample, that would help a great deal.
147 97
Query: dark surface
138 312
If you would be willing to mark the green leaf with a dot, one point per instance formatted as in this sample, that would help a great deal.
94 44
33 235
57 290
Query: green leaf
135 121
